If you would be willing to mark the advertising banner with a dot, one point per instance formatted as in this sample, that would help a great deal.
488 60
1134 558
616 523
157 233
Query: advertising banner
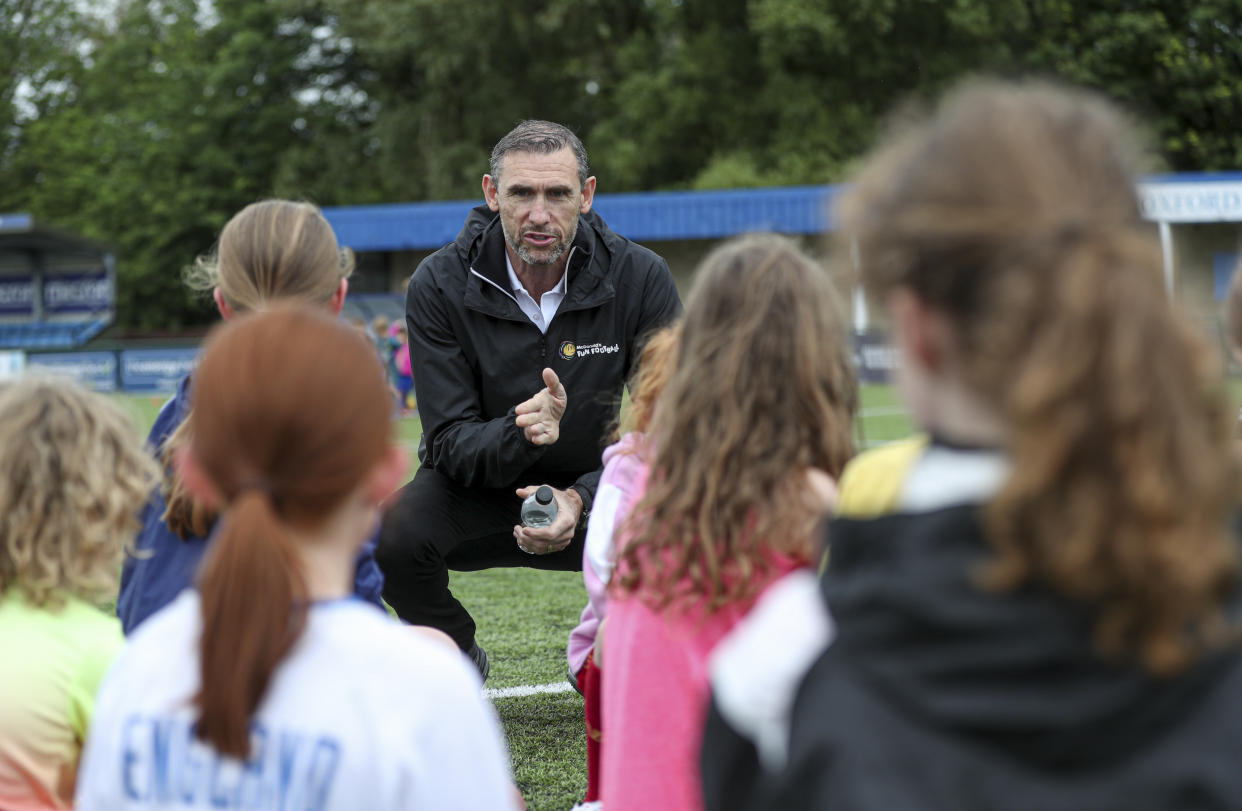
1191 201
95 370
155 370
875 359
78 293
17 295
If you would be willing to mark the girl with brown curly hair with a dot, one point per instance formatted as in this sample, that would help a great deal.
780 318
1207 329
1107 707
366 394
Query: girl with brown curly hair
759 407
75 475
1046 621
624 463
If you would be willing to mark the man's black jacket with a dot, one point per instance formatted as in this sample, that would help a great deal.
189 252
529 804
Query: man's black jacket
476 354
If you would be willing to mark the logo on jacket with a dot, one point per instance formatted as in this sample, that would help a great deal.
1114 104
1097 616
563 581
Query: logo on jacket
569 349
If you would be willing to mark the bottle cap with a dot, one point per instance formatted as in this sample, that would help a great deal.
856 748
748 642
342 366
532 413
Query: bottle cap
544 495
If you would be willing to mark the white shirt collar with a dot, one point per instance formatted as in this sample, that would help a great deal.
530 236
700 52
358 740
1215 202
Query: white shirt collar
516 284
539 312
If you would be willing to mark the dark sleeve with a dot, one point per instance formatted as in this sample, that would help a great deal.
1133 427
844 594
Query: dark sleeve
457 440
586 485
661 305
368 579
729 765
814 776
162 564
810 782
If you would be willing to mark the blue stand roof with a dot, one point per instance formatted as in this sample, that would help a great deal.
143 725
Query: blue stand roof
643 217
672 215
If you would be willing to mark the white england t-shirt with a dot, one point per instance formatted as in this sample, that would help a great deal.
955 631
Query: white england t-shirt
362 714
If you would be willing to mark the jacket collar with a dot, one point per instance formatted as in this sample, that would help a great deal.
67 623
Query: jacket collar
481 244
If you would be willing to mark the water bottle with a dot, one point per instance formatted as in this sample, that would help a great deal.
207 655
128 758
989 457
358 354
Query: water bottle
539 508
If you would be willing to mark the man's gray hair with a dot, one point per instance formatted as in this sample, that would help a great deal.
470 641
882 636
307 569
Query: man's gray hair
541 138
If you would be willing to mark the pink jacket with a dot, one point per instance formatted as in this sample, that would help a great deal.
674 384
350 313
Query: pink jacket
623 465
402 356
655 692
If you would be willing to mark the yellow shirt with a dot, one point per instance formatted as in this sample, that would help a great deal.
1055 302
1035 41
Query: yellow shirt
871 482
51 663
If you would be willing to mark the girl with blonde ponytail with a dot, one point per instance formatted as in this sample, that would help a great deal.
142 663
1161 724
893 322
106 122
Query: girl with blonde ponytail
270 251
271 686
1047 619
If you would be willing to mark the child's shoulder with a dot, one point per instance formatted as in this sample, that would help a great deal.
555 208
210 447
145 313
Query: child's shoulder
91 619
363 633
66 629
871 483
72 613
623 458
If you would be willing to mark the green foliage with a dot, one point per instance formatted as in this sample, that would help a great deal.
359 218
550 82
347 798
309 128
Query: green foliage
158 129
33 33
1177 65
148 125
449 78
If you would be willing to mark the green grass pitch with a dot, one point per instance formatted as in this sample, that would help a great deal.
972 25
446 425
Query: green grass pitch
524 618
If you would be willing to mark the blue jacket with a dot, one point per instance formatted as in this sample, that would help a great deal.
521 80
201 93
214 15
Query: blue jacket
165 564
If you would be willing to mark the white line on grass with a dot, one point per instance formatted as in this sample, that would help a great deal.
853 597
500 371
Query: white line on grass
528 690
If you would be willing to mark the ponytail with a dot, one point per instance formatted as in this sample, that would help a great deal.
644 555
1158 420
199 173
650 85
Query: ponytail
1119 437
185 515
254 610
291 413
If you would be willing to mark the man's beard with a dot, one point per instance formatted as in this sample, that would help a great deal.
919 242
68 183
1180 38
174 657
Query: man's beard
554 252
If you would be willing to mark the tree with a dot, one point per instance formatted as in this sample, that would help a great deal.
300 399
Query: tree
776 92
36 38
167 125
1177 65
444 80
149 126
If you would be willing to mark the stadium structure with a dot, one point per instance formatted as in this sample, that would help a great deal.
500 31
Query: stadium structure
57 290
1196 214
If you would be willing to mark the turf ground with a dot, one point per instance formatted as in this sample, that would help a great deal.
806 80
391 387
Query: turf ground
524 618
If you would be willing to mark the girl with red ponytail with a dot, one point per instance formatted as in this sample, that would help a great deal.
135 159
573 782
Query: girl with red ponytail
271 686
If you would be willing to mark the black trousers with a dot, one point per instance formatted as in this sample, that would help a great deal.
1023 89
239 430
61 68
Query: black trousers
435 525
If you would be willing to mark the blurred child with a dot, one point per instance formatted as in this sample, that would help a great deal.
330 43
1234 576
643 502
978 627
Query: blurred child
274 250
271 686
402 370
379 329
380 326
1047 619
623 460
759 405
75 475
